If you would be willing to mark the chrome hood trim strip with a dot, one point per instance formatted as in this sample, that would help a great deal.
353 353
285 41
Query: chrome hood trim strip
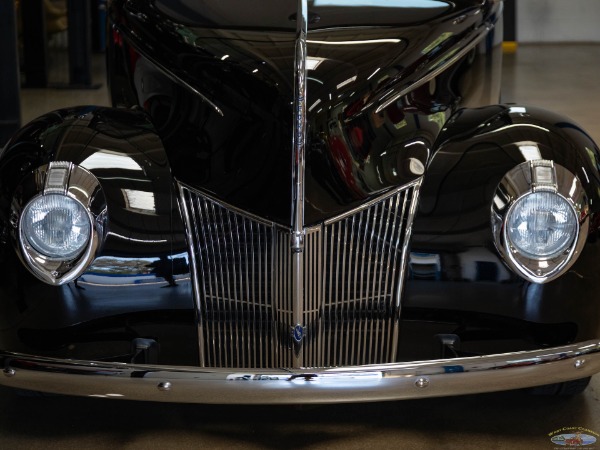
437 67
299 136
298 175
132 40
435 378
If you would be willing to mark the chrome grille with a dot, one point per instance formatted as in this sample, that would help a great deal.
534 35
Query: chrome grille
353 267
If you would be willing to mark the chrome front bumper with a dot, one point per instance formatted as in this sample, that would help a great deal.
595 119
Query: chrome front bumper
396 381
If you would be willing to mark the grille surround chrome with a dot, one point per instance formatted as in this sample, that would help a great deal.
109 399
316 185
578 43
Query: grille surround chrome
352 281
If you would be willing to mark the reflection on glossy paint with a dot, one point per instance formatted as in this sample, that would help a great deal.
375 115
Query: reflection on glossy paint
499 203
517 110
116 265
107 159
475 265
424 266
374 73
437 42
428 4
313 62
139 201
357 42
314 105
528 125
143 241
120 271
587 178
347 82
529 150
354 67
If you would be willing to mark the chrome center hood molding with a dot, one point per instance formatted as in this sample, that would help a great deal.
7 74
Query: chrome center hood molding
298 177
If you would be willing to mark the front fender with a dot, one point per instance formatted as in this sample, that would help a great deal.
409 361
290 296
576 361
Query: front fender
454 266
141 274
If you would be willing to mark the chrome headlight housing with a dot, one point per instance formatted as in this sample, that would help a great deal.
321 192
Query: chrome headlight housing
60 222
539 219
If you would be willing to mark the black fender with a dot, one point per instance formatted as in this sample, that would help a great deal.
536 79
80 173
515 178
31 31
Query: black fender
455 274
141 275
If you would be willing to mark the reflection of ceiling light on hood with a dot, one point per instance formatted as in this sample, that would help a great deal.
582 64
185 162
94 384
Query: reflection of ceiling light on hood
373 74
312 62
368 41
314 105
139 201
500 204
224 57
346 82
106 159
529 150
425 4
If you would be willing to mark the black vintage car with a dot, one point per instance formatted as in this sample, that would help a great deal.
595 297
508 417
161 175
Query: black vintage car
299 202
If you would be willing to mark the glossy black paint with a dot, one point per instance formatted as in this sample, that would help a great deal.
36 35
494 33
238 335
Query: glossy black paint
455 273
232 137
223 125
141 276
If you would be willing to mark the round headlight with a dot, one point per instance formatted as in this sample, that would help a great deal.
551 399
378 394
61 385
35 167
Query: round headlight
56 226
541 225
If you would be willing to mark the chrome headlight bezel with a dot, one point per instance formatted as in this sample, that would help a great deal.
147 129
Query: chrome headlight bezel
61 178
526 179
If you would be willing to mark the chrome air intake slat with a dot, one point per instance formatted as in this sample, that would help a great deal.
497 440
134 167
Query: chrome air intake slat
352 284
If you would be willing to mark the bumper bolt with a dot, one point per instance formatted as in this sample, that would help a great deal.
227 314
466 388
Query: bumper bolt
9 372
579 363
422 382
164 386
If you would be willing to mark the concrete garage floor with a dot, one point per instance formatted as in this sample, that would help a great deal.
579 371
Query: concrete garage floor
561 78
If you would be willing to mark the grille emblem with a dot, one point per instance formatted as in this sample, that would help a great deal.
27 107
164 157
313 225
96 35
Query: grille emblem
298 333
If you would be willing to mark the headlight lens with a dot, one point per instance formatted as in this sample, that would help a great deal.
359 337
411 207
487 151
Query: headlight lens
541 225
56 226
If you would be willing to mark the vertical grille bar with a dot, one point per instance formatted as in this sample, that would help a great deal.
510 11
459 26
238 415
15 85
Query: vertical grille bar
283 300
363 276
233 255
353 269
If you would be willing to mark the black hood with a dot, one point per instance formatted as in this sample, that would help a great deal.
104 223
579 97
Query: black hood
227 121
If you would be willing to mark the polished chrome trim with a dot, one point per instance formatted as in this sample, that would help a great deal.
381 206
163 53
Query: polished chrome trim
404 261
419 379
228 206
363 263
298 175
57 177
351 277
185 203
165 70
521 181
235 276
83 187
438 66
374 201
299 135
